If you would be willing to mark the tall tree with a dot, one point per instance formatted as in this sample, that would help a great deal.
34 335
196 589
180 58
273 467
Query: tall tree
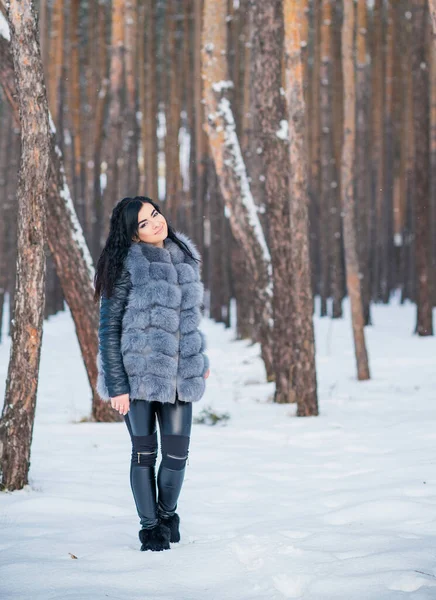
421 120
114 126
230 168
304 369
362 163
347 187
271 117
16 426
377 147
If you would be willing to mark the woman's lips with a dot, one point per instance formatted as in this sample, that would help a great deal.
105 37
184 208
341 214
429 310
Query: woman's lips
160 230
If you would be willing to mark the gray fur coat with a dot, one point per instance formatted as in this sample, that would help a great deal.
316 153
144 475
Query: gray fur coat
161 348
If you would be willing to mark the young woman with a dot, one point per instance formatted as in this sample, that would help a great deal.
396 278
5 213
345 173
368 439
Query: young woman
151 360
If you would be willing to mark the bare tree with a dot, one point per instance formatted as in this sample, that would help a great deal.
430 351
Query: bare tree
16 426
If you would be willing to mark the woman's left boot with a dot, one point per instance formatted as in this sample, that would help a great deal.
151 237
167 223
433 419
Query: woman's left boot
173 524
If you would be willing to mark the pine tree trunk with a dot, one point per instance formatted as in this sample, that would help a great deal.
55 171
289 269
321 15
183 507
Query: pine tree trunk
378 149
113 143
304 368
432 6
230 167
347 187
271 117
130 175
363 187
326 152
422 166
16 426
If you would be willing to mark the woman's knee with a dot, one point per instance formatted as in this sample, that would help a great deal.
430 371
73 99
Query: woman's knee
175 450
144 449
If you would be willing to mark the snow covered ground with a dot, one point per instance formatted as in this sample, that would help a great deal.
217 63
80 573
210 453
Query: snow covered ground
342 505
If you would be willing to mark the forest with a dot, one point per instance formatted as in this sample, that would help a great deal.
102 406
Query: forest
293 140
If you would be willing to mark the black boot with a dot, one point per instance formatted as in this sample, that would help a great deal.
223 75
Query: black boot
155 538
173 525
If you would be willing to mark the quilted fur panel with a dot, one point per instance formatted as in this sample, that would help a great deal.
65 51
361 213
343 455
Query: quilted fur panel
192 294
164 271
190 344
185 273
191 366
190 319
164 318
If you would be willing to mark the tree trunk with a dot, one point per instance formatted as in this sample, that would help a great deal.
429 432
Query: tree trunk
113 143
272 136
130 173
432 7
69 250
347 187
362 165
303 368
22 378
328 182
230 167
424 324
378 149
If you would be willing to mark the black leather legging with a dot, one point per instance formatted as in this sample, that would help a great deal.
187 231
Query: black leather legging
175 429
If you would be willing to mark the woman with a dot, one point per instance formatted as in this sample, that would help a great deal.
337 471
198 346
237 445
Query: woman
151 360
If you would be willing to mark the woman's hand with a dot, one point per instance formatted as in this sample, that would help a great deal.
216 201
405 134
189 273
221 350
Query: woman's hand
121 403
206 375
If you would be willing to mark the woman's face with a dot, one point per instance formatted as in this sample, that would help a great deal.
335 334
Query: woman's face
152 226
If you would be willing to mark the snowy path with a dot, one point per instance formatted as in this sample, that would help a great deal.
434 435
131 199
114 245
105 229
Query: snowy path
337 506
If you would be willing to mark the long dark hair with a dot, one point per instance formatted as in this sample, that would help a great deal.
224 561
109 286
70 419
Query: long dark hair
123 227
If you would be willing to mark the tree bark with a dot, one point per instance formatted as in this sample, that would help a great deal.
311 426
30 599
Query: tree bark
272 136
432 7
22 379
424 324
362 165
347 187
113 143
304 368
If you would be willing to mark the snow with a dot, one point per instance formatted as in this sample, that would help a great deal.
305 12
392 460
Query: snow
184 140
335 507
283 131
221 86
76 228
4 28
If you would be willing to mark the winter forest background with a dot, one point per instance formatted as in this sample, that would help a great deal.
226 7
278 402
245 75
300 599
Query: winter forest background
295 142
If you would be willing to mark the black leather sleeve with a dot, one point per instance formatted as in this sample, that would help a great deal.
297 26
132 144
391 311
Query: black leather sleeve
109 336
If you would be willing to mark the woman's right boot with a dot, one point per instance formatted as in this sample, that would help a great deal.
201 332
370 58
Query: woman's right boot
155 538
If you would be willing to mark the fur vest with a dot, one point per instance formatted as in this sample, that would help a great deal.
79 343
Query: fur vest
161 346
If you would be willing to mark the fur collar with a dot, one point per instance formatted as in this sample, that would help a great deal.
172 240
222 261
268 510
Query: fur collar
171 252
